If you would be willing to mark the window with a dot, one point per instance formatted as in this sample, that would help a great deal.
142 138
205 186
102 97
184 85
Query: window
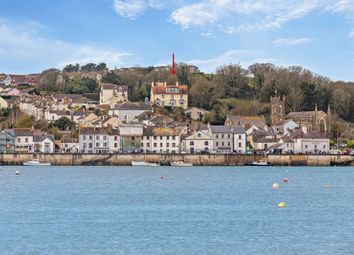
168 137
217 136
97 137
239 144
199 135
155 145
132 138
90 145
239 137
222 144
105 145
90 137
84 145
116 138
324 147
206 143
217 143
104 137
97 145
154 137
265 146
315 146
161 145
173 145
222 136
148 144
167 145
306 146
147 137
115 145
162 96
84 137
191 143
141 145
160 137
228 136
228 144
18 140
173 137
172 90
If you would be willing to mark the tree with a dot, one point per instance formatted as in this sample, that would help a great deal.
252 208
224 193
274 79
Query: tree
295 99
24 121
64 123
111 77
71 68
101 67
351 144
88 67
47 80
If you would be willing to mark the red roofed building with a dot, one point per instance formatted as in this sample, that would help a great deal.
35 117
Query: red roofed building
169 95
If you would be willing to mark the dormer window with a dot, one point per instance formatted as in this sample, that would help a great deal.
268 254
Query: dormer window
172 90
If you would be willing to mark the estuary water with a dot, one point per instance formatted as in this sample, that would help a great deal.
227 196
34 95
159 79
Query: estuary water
166 210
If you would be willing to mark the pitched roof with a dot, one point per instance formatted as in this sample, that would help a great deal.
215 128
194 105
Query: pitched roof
41 138
160 89
220 129
238 130
67 96
159 131
123 88
258 121
23 132
98 131
133 106
307 114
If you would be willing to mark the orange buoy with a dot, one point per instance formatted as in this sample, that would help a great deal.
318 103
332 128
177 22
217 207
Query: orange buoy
161 177
285 180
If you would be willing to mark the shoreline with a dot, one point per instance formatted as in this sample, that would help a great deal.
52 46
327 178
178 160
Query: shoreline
60 159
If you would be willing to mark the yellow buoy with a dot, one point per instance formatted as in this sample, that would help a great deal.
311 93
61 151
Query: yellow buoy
275 186
281 205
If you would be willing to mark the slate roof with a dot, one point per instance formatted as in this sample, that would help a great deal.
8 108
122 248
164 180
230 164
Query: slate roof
258 121
183 89
220 129
133 106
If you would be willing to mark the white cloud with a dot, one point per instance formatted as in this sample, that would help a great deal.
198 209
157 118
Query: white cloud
351 34
134 8
233 16
291 41
23 48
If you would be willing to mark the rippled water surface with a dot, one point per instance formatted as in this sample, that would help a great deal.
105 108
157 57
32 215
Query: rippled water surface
199 210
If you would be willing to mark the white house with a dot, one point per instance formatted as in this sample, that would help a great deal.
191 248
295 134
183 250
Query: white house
111 94
99 140
222 138
160 140
310 143
128 111
69 145
198 142
239 140
43 144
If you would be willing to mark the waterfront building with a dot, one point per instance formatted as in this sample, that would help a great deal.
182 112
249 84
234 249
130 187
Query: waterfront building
310 142
43 143
99 140
7 141
198 142
69 145
160 140
169 95
24 140
222 138
239 140
130 137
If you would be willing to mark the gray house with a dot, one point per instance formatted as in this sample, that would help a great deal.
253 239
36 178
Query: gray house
128 111
223 138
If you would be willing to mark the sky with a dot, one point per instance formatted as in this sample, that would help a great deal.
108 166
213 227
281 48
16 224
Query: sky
41 34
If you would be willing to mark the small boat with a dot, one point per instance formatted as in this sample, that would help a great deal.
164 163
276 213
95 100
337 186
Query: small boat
180 163
261 162
35 162
143 163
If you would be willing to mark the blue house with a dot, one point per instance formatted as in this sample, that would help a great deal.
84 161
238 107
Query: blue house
7 140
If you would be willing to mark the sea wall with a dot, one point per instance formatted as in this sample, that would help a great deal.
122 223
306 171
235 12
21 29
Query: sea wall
196 159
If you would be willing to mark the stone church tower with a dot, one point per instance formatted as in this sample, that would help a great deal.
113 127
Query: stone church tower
277 110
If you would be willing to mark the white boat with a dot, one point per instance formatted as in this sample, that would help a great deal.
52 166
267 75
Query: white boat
180 163
261 162
143 163
35 162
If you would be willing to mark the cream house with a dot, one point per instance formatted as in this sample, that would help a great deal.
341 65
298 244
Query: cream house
111 94
169 95
160 140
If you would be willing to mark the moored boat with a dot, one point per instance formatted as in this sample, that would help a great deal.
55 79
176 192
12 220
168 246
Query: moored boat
261 162
35 162
143 163
180 163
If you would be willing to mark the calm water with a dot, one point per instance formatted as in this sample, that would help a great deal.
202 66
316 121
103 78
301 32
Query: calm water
206 210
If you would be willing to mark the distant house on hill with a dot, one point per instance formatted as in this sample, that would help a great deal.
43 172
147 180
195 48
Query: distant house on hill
169 95
196 113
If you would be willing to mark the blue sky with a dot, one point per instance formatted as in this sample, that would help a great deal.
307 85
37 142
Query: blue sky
317 34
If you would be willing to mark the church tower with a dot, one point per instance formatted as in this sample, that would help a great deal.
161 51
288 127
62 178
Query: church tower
277 110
